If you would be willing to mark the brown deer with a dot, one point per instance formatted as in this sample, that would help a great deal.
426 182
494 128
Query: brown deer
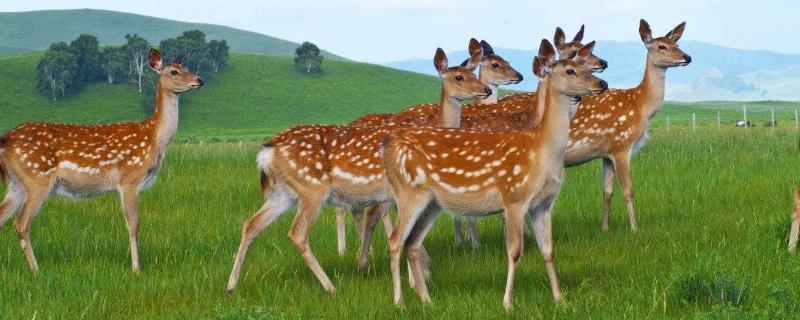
470 172
316 164
795 228
494 71
75 161
613 126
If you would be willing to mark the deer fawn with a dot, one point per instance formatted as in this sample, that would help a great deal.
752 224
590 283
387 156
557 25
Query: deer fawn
312 165
83 161
494 71
472 173
613 126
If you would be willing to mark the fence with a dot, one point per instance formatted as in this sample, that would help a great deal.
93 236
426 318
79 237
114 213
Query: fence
745 118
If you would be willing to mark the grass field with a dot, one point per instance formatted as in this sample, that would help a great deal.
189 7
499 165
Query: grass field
713 209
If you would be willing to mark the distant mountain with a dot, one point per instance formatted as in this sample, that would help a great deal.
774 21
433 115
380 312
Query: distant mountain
716 72
36 30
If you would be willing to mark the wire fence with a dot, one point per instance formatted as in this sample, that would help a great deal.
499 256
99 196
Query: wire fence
726 118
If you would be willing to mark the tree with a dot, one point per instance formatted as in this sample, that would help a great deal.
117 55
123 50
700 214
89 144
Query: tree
112 61
307 58
137 51
54 72
86 50
218 52
193 44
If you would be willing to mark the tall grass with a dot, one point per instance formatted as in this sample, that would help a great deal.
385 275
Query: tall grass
713 209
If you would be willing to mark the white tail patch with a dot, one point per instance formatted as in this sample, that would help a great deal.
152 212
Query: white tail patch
265 157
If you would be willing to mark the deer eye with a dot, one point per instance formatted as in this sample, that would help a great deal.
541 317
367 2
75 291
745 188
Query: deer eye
571 72
662 47
174 72
459 78
495 65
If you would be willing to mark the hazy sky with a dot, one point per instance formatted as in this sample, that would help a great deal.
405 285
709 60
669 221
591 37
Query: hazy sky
387 30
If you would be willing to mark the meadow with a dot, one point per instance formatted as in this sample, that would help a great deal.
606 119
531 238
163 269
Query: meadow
714 211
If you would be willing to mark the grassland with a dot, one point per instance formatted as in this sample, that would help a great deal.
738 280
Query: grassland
713 207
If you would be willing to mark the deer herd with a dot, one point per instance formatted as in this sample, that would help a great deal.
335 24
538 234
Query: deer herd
493 156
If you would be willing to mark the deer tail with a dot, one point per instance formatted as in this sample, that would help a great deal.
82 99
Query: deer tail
264 160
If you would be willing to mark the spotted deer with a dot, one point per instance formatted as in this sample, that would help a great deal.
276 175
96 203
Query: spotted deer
613 126
77 161
494 71
471 172
316 164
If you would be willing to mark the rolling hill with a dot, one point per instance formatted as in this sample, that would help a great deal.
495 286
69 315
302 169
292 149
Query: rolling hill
35 30
716 72
258 95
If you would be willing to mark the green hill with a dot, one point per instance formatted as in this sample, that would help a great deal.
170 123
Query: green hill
36 30
256 96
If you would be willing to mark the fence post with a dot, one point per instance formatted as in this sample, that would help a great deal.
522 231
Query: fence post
719 121
796 121
694 122
773 124
241 144
744 112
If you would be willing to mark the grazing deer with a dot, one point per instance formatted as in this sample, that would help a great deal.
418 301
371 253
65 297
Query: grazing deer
613 126
315 164
494 71
76 161
470 172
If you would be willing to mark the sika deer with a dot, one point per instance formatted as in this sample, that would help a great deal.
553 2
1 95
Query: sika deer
474 173
314 165
77 161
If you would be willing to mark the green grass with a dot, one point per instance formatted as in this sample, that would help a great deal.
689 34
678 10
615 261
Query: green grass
713 209
255 97
36 30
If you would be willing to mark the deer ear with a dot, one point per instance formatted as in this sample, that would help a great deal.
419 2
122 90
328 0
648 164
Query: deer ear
547 53
539 68
474 46
559 38
487 49
474 60
676 33
584 53
579 36
440 61
644 31
179 59
155 60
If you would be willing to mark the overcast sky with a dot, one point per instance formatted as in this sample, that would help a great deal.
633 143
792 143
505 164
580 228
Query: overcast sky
387 30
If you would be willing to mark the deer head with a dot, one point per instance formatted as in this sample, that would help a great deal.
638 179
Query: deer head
572 76
459 82
174 77
568 50
494 69
664 52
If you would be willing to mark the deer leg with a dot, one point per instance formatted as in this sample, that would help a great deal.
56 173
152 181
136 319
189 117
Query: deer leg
457 228
22 224
341 213
514 219
414 250
409 209
795 229
623 169
276 205
307 213
359 220
375 212
542 217
129 196
608 190
472 232
11 203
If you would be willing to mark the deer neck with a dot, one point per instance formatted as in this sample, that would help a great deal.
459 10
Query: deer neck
491 99
164 120
451 111
554 127
651 90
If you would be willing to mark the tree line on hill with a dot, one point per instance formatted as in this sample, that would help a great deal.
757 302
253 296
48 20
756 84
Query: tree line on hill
66 68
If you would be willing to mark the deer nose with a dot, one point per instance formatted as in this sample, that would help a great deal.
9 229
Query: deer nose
603 84
603 63
487 91
200 81
519 76
688 58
